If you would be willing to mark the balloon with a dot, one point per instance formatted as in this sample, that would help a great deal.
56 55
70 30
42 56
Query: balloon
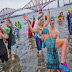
7 29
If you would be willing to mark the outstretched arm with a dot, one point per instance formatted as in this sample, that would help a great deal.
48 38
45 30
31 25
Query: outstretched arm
3 29
33 30
47 18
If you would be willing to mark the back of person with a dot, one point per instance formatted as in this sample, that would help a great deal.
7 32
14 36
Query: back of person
71 18
11 39
71 23
68 18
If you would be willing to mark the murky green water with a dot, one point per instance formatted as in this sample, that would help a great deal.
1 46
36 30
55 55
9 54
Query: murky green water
27 59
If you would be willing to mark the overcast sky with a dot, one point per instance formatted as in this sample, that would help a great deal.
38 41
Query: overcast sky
15 4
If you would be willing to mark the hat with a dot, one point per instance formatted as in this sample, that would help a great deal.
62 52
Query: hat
39 16
45 31
70 9
41 12
18 21
33 17
51 18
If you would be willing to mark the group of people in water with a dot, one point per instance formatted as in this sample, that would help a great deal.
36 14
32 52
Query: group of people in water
45 37
69 19
8 39
49 38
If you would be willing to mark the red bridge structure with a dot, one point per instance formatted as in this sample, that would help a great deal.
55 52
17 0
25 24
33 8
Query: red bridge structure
35 5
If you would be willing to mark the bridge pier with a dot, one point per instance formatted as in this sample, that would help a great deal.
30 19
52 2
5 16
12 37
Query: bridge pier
63 3
69 1
58 3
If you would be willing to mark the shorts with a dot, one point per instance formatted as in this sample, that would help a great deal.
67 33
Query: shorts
9 46
17 33
13 49
39 43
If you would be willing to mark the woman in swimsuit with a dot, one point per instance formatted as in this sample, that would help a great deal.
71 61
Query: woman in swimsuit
39 29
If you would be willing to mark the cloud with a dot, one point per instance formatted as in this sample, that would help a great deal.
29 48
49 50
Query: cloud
15 4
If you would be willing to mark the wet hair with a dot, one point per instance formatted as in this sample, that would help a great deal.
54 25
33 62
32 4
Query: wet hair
9 20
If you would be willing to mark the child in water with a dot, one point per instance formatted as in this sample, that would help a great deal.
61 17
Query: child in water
52 45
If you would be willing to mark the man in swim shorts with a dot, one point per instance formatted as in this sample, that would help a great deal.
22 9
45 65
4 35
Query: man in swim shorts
54 34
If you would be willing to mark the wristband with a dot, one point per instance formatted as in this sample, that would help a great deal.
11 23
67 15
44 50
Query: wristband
27 22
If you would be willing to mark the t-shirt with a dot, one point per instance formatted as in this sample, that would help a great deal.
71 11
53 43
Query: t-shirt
17 30
71 18
36 25
68 18
11 40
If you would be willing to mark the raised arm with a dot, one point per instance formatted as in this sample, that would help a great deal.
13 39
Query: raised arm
47 18
3 29
33 30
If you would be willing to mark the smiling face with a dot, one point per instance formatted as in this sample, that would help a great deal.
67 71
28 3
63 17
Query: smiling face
42 21
52 22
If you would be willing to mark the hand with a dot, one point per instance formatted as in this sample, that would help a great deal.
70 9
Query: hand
25 17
